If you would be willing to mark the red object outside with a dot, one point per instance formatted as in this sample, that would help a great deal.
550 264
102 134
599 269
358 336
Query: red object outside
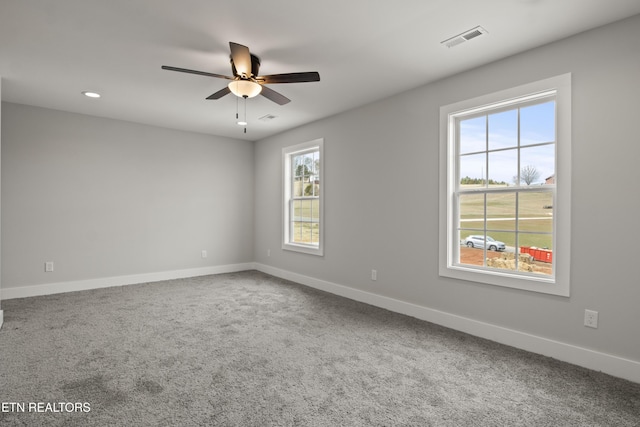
544 255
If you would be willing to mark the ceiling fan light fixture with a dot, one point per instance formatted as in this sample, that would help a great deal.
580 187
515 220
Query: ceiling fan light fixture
245 88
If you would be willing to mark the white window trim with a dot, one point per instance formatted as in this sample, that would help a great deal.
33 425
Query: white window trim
287 152
559 283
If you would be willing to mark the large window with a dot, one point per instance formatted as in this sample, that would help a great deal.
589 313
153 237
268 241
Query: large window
505 192
303 219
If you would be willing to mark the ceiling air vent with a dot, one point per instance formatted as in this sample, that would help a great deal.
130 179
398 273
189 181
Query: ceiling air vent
267 117
467 35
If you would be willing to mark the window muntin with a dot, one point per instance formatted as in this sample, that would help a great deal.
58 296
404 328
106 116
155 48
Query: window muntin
515 147
303 198
503 154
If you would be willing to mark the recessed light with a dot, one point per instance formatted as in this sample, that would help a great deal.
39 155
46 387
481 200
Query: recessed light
91 94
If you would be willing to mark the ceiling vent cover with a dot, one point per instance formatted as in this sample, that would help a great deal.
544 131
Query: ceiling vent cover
466 36
267 117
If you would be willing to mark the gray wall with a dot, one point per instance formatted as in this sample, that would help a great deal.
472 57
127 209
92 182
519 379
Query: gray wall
103 198
381 195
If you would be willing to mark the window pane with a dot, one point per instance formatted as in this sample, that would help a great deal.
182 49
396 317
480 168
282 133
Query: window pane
315 233
497 258
296 211
470 253
311 204
536 212
307 237
537 164
503 130
535 258
473 135
501 211
471 208
308 166
473 170
298 169
297 187
503 167
315 166
538 123
315 210
308 188
296 231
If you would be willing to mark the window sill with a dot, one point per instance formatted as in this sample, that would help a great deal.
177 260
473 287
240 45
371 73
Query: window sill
533 283
305 249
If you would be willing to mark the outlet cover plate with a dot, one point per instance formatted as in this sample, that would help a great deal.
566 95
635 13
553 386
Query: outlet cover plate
591 319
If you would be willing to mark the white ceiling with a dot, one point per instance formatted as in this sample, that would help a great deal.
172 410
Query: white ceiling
364 50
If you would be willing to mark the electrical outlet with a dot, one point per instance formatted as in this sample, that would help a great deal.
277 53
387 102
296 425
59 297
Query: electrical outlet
374 275
591 319
268 252
48 266
203 253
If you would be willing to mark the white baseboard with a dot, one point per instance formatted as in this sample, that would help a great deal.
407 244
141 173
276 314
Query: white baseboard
594 360
82 285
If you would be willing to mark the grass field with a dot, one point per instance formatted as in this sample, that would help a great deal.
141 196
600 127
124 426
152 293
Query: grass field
305 232
306 218
535 224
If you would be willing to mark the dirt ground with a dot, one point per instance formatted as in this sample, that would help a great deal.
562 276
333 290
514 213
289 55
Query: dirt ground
476 257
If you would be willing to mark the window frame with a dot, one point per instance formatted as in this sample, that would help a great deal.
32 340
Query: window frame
287 172
559 282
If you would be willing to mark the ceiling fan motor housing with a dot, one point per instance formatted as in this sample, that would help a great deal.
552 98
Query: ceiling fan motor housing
255 67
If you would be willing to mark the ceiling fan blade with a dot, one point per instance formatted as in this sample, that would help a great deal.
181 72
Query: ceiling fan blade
219 94
274 96
241 59
202 73
311 76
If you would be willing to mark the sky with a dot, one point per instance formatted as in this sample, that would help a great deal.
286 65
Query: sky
537 125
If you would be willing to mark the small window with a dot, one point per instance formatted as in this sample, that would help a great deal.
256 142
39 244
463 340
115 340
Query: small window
303 198
505 188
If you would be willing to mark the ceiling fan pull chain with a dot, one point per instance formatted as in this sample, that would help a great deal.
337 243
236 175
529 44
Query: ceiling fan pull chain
245 114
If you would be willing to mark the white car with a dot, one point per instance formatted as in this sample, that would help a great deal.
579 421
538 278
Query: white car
477 241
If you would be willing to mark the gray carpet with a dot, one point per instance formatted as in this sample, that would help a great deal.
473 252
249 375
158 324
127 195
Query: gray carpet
247 349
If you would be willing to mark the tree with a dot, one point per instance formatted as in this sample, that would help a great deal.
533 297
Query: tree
305 167
302 171
528 175
475 181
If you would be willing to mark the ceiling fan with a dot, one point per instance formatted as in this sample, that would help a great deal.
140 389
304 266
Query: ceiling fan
246 83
